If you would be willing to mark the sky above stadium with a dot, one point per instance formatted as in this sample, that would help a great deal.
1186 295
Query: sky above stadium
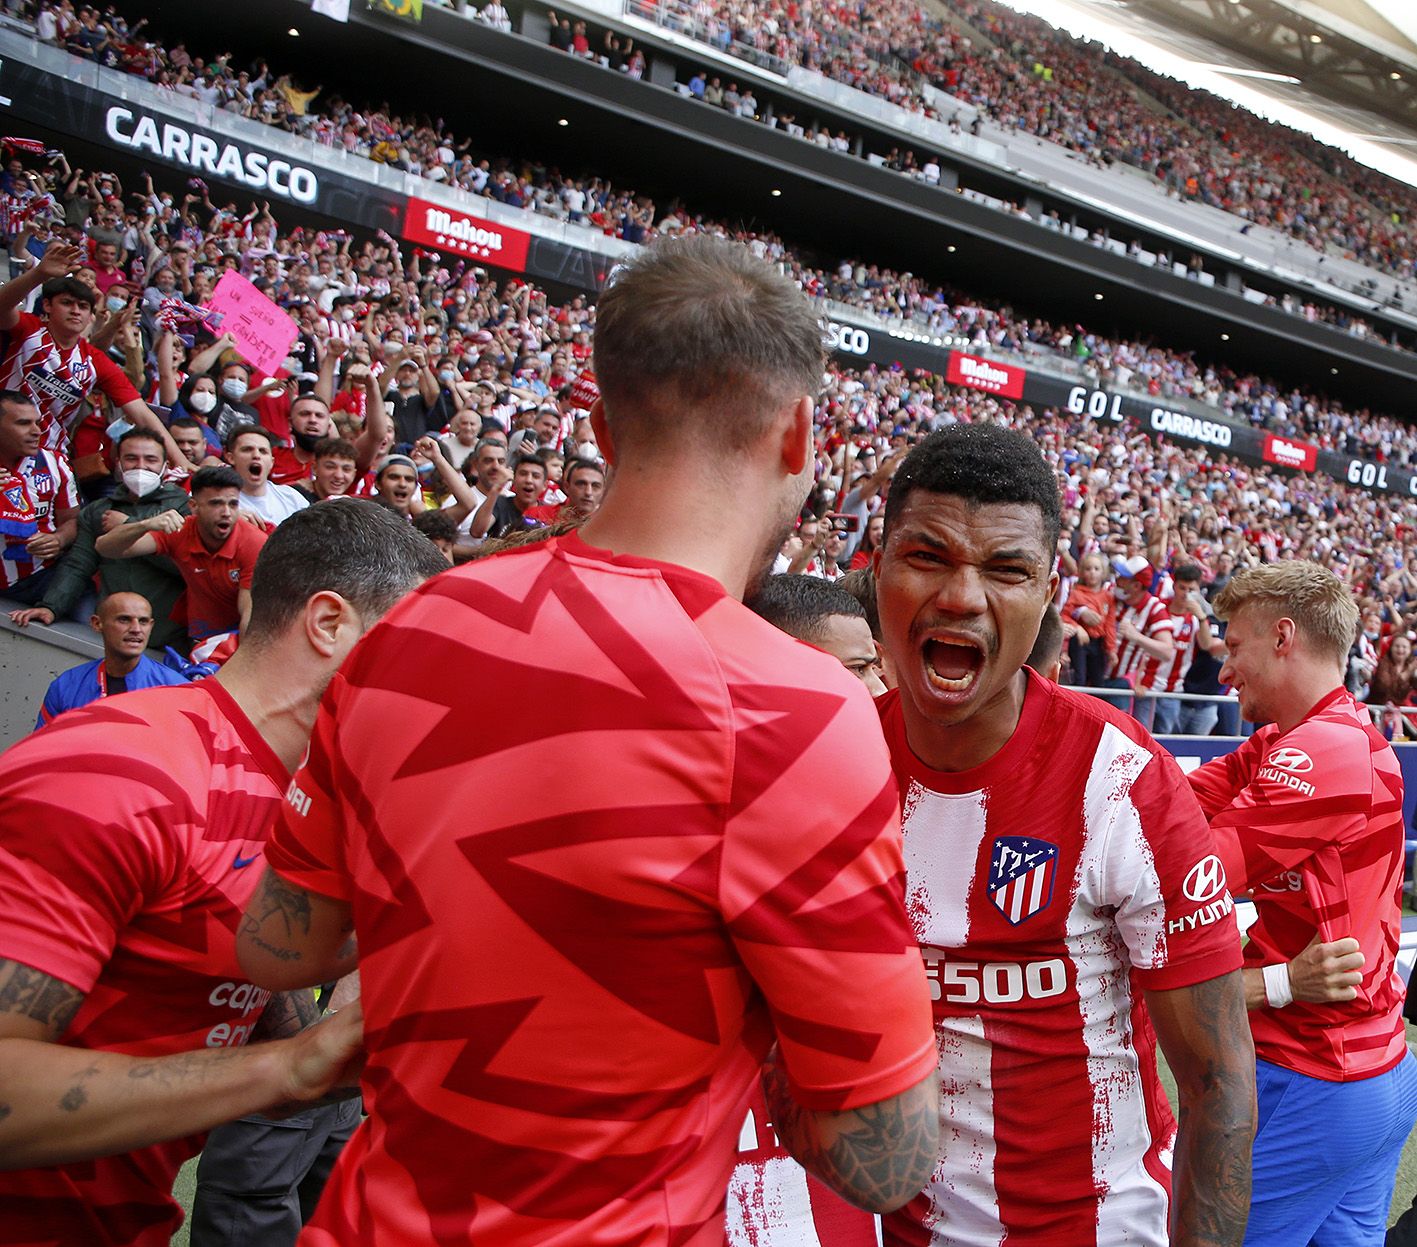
1090 19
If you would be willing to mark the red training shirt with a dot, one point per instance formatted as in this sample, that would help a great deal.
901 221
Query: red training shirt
569 987
130 846
1310 822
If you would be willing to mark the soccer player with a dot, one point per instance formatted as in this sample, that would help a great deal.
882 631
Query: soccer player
1057 884
572 986
132 840
214 550
1307 817
825 616
124 621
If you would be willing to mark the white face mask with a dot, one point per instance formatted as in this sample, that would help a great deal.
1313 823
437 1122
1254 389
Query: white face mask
140 482
234 390
202 401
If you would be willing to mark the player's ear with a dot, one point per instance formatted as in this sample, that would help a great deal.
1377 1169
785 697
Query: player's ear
797 437
603 439
328 618
1284 632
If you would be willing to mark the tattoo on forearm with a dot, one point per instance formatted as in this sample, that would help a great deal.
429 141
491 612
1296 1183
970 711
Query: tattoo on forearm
250 929
76 1097
878 1162
1213 1148
33 994
186 1065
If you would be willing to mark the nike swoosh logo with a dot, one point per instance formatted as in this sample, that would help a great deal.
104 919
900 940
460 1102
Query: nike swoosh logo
243 861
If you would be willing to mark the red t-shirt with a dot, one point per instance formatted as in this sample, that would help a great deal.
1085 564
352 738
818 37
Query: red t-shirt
287 468
212 577
58 381
1310 823
130 846
1048 889
717 862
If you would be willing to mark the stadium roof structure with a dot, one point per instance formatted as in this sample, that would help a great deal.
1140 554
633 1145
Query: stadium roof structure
1360 53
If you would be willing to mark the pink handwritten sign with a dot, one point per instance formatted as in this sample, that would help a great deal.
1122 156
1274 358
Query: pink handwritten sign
262 331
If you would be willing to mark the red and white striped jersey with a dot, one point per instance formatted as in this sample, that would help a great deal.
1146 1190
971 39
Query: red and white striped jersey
31 500
774 1202
1048 888
1153 620
58 381
1171 672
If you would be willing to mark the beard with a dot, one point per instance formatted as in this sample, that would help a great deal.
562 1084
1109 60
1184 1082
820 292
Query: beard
306 441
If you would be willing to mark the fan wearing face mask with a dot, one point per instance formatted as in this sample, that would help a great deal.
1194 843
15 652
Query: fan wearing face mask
141 493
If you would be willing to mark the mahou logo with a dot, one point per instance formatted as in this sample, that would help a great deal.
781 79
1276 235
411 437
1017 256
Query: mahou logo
432 225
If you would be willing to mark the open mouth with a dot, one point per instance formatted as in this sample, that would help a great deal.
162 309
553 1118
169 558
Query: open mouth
952 665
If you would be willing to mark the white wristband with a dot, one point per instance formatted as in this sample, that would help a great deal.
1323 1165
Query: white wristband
1277 989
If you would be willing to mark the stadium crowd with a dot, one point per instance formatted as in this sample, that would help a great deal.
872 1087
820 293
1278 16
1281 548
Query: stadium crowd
928 306
430 150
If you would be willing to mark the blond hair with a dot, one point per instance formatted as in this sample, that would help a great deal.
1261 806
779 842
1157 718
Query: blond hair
1321 606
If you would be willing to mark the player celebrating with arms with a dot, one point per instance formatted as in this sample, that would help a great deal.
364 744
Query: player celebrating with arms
1307 817
1055 882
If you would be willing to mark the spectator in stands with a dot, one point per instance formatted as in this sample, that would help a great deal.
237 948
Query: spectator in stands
39 504
334 470
49 359
584 485
439 528
501 513
1090 622
1190 634
140 493
396 485
1143 637
824 616
124 622
191 441
250 450
1392 677
417 404
215 552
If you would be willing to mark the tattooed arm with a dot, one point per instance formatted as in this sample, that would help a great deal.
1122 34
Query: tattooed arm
1205 1035
60 1104
878 1156
292 938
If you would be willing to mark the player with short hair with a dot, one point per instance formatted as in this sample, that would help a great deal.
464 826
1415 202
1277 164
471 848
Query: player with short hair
825 616
132 840
1308 818
716 870
1056 881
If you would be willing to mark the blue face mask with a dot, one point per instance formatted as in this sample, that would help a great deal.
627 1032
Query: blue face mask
116 305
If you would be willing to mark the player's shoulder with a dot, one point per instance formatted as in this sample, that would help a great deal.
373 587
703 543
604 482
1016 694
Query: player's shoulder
1337 737
1082 718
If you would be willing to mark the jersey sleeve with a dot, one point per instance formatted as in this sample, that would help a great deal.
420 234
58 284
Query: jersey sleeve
1284 814
1160 624
66 493
165 541
112 380
811 885
82 843
1218 781
1162 875
307 845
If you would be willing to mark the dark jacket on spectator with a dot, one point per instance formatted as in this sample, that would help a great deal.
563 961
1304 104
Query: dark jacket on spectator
154 576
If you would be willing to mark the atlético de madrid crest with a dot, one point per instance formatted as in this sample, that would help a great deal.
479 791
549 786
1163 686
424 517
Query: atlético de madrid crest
1021 872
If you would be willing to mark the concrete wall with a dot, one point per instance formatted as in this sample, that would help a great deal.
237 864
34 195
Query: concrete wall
29 659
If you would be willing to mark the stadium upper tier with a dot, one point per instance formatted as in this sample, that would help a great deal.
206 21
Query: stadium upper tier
590 211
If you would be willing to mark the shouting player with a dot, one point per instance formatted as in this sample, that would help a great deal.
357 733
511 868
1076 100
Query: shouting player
1307 816
1058 885
132 839
571 987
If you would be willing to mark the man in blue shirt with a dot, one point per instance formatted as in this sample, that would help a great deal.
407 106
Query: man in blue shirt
124 621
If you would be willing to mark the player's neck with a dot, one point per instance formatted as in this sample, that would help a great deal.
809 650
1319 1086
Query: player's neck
964 746
1303 689
649 515
283 710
